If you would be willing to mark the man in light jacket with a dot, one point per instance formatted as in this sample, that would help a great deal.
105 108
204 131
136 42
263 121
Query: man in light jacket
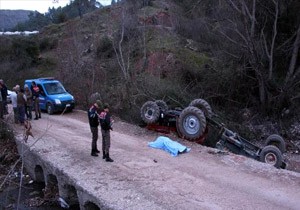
13 97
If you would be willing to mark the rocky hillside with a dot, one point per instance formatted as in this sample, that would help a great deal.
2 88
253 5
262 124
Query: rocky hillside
10 18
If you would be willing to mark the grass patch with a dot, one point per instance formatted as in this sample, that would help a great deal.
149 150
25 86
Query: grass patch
148 11
194 59
161 39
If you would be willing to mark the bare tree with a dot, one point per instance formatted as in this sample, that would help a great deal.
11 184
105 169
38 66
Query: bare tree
122 57
249 28
125 41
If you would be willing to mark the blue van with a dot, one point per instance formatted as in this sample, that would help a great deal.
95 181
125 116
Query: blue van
53 96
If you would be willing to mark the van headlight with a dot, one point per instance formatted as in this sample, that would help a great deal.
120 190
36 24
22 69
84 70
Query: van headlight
57 101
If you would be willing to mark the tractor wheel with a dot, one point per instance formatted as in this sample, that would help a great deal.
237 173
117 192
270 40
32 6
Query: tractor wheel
277 141
271 155
150 112
203 105
162 105
192 123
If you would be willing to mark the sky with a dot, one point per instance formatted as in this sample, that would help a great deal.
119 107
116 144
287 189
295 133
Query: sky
39 5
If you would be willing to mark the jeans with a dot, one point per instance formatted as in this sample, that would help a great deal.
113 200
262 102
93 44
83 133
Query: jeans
28 111
105 140
16 114
21 110
94 131
1 109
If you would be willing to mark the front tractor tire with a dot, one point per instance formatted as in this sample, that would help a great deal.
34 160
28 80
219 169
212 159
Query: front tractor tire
191 123
277 141
203 105
162 105
150 112
271 155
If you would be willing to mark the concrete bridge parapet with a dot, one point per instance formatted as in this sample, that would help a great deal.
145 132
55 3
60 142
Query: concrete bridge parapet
57 182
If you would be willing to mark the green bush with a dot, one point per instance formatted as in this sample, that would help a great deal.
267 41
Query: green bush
48 44
105 48
25 51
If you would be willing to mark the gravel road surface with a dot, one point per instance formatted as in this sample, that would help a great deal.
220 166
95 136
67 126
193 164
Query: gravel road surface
145 178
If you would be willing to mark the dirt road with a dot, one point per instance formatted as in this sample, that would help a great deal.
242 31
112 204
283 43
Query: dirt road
200 179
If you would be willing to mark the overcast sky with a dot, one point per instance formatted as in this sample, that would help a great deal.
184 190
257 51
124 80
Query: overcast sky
39 5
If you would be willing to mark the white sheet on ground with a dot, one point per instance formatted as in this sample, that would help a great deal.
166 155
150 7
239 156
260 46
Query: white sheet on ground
168 145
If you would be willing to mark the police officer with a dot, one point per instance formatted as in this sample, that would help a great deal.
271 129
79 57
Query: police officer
106 126
93 114
4 95
36 101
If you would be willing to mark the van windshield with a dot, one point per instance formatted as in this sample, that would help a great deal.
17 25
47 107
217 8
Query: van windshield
54 88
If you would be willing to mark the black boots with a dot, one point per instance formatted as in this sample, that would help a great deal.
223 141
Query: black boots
108 159
105 155
37 117
94 153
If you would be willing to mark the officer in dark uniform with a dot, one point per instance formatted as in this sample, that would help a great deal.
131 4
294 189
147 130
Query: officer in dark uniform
106 126
93 114
4 95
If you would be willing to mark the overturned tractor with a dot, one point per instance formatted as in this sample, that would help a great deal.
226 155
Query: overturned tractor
193 123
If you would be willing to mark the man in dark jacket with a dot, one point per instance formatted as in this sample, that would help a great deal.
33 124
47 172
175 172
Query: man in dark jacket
1 104
4 97
93 114
106 126
36 100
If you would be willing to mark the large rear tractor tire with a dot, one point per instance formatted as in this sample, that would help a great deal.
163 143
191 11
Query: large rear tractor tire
192 123
162 105
271 155
150 112
277 141
203 105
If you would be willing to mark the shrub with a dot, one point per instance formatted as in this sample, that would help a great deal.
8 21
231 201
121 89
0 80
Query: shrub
105 48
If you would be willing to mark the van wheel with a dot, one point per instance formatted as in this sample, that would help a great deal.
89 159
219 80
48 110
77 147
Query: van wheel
49 109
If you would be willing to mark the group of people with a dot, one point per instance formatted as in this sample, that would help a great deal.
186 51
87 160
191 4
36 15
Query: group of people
98 114
23 101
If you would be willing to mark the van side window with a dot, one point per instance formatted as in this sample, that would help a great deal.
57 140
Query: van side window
41 90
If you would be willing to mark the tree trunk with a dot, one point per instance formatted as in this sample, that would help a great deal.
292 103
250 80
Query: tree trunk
293 62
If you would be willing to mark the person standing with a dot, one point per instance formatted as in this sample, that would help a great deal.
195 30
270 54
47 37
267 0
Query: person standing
106 126
13 97
93 114
28 107
4 97
21 102
36 101
1 104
